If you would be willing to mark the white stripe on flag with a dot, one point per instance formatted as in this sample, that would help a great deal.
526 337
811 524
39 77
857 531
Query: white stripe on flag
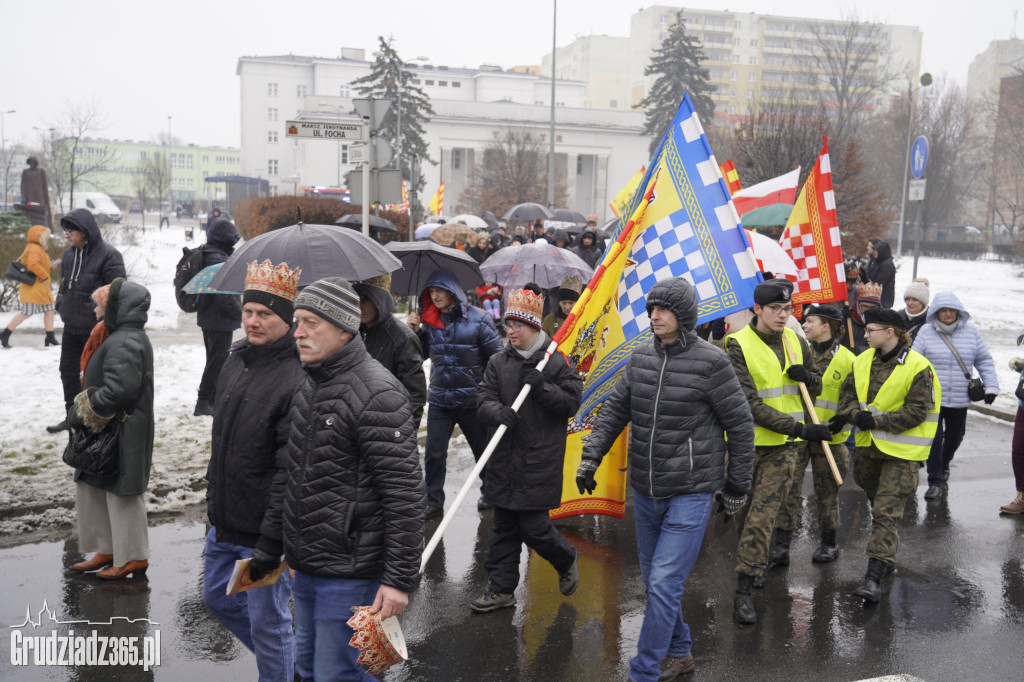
726 217
707 170
826 165
840 272
691 128
833 235
830 200
744 261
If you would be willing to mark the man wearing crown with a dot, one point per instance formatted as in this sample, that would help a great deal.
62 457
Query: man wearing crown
250 432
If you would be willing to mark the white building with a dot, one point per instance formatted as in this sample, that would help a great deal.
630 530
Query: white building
597 151
600 62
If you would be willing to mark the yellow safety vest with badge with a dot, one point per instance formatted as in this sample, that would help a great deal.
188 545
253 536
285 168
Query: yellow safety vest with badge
827 404
913 444
774 386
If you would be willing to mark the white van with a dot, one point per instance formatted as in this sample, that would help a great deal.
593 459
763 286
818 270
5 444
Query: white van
97 203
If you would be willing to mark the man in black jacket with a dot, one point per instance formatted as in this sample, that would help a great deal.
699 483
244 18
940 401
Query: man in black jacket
390 342
250 434
348 508
219 314
524 475
681 396
883 271
89 263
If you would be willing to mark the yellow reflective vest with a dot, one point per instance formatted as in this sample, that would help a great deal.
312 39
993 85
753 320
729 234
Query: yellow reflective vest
774 386
913 444
827 403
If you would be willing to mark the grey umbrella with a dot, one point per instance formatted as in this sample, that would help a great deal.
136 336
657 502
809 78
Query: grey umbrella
490 219
422 259
377 224
567 215
528 211
539 262
320 250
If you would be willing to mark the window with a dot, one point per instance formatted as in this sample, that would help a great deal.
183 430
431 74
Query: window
456 84
733 76
751 77
753 60
750 94
272 114
753 42
429 81
345 91
613 104
416 81
663 19
271 89
344 153
273 190
271 166
456 159
736 42
443 84
735 59
206 174
271 136
300 91
579 165
142 155
732 92
206 158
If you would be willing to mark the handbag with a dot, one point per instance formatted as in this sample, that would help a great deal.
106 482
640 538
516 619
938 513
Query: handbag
975 386
18 272
1020 388
99 454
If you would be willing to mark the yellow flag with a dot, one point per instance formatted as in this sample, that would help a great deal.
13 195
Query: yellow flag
620 202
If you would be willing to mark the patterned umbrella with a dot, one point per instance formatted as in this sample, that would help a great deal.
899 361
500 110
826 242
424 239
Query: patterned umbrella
200 284
543 263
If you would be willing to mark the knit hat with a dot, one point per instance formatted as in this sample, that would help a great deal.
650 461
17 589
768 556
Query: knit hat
570 288
919 291
826 311
272 286
773 291
100 296
333 299
526 307
887 317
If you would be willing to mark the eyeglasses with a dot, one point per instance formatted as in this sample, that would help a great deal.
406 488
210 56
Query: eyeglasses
512 326
779 310
872 331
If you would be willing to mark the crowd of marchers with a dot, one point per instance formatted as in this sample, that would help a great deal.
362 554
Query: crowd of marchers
315 414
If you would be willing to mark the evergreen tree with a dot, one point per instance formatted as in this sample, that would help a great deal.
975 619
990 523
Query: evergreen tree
388 79
677 64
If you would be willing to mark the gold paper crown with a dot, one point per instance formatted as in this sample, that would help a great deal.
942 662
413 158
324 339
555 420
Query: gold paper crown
382 282
573 283
525 306
277 281
871 289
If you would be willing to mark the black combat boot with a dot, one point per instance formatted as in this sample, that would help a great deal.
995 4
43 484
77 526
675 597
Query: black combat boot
743 604
870 589
828 550
51 340
780 550
5 336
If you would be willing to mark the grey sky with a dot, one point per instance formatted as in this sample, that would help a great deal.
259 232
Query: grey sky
145 61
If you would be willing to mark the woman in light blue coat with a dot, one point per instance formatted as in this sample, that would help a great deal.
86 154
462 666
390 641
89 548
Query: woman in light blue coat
947 317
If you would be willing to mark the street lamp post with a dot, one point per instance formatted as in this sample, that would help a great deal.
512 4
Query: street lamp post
926 80
551 147
3 152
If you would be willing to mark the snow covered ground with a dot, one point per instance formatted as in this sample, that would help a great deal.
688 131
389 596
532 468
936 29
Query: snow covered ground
35 485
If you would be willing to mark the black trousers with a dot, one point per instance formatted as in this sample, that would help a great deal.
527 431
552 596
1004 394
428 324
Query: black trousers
217 346
72 343
948 436
511 529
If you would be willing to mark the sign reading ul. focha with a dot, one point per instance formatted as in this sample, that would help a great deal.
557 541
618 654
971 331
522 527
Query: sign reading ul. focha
326 130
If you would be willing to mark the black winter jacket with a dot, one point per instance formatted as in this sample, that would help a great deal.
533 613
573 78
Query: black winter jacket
525 471
85 270
680 399
883 271
219 312
250 435
350 503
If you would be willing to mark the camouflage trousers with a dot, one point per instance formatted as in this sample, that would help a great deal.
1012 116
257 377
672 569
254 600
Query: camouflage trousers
889 482
825 488
773 477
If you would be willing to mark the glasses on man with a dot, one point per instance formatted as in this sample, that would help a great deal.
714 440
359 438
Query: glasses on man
512 326
779 309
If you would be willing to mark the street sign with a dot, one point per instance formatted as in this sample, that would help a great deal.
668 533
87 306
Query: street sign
388 182
357 153
916 190
919 156
347 131
374 109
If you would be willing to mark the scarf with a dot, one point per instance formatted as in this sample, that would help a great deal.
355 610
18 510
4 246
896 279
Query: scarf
946 329
96 338
539 343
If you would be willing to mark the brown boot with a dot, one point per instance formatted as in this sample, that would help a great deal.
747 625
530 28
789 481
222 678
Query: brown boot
117 572
97 562
1015 507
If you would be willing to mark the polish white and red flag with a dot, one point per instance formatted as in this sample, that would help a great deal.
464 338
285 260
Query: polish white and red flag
780 190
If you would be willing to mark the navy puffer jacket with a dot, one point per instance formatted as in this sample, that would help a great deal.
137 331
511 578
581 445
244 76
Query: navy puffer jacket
680 399
459 343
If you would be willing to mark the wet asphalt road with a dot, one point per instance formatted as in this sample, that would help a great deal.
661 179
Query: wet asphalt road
954 610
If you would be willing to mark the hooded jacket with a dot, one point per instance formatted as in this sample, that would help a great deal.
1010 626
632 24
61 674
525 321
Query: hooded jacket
219 312
394 345
38 263
459 343
591 254
680 399
85 270
967 341
883 271
119 369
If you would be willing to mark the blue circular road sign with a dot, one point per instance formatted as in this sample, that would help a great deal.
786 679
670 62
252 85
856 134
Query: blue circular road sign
919 156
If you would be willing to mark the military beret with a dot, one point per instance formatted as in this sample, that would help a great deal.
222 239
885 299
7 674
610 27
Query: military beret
773 291
825 310
887 317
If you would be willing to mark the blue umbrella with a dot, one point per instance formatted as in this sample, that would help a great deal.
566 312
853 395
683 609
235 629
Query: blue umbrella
200 284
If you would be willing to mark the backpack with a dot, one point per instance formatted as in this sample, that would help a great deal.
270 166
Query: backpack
188 267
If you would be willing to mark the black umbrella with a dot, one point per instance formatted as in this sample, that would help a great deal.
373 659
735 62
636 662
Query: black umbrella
567 215
528 211
490 219
420 260
320 250
377 224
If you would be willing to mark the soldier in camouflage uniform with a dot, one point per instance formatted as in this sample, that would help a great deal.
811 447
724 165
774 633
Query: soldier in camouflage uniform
893 397
823 326
770 384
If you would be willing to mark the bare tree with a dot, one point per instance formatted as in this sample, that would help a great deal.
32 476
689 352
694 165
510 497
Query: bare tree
1006 182
157 174
779 137
73 161
513 170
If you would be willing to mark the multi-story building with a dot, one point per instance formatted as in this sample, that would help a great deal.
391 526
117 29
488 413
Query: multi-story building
597 152
1000 59
600 63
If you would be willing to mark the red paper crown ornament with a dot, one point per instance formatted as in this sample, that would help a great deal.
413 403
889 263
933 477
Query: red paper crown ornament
525 306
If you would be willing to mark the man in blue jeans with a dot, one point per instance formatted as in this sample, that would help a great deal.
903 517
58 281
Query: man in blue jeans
681 396
459 339
250 433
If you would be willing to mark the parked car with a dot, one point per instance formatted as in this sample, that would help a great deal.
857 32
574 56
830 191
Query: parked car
97 203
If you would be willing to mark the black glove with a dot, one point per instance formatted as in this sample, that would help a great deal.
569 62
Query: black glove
864 420
800 373
585 476
262 564
814 432
836 424
990 398
507 416
729 503
533 378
